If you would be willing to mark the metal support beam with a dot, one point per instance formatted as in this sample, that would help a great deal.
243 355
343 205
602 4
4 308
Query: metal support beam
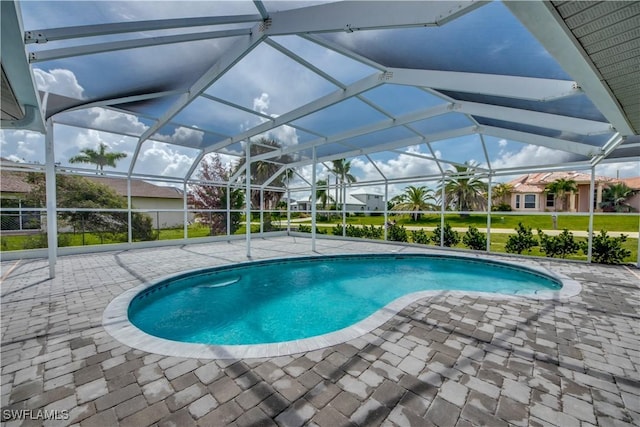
247 197
75 51
543 141
592 188
52 220
349 16
45 35
313 200
129 213
489 195
536 89
185 217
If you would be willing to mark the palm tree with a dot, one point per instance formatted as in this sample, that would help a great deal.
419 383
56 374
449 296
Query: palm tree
415 199
341 169
322 193
559 188
615 197
262 171
464 190
99 158
500 191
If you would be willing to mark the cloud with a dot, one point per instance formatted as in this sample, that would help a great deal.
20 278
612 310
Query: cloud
502 143
285 135
531 155
59 81
158 158
622 170
261 103
183 136
22 145
116 121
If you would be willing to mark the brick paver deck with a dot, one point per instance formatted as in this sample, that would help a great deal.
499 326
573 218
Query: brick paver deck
446 361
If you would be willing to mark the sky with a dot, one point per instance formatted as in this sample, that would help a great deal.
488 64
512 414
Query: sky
262 82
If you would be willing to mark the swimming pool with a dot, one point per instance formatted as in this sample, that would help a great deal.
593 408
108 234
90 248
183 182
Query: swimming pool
306 302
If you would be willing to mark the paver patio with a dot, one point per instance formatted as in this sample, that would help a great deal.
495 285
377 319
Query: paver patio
449 360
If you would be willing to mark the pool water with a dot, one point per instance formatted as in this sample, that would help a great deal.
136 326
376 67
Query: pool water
283 300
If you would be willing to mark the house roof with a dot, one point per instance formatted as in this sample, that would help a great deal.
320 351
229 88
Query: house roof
13 182
633 182
536 182
138 188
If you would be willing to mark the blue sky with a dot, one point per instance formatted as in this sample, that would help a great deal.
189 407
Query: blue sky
268 82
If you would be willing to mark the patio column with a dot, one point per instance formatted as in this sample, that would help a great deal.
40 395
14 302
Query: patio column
261 211
52 220
591 195
185 216
343 195
247 197
228 209
442 197
288 207
572 200
489 216
386 203
129 213
599 197
313 201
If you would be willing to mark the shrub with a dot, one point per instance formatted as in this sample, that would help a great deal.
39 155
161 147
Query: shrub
451 237
606 249
420 236
502 207
397 233
473 239
372 232
337 230
522 241
562 244
142 227
304 228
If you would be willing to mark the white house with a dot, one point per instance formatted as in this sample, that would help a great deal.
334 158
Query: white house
357 201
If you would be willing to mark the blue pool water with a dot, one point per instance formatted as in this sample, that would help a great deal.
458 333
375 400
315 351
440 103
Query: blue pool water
282 300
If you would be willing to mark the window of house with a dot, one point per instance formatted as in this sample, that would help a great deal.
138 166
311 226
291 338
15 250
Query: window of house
530 201
551 200
517 201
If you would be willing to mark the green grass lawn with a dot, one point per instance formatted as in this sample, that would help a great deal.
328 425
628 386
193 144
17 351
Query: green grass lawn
628 223
498 241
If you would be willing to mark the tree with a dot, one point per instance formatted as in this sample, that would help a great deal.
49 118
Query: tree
522 241
559 188
415 199
500 191
264 170
322 193
615 198
99 158
342 170
464 190
210 197
78 192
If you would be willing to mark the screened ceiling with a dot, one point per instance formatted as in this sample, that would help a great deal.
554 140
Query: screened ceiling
441 82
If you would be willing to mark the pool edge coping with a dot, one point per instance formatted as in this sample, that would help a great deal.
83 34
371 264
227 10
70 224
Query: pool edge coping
116 322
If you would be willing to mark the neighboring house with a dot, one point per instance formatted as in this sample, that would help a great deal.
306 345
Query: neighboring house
358 201
144 195
634 184
155 198
529 194
13 188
